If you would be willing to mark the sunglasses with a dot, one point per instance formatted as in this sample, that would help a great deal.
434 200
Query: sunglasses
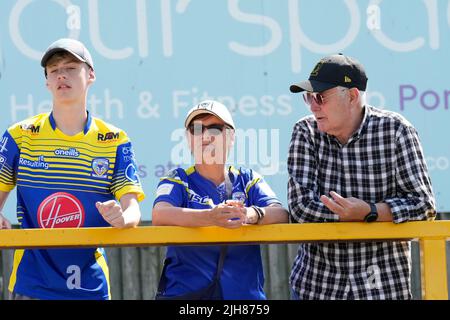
318 98
213 129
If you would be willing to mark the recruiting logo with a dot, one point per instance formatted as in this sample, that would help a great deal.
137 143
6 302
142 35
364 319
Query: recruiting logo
100 167
40 163
60 210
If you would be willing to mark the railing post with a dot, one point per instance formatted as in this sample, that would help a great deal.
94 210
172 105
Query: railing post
434 269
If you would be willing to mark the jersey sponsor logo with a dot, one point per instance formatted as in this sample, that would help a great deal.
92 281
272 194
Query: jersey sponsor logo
100 167
30 128
2 161
37 164
70 153
60 210
194 197
172 174
108 136
131 173
164 189
128 154
3 144
127 150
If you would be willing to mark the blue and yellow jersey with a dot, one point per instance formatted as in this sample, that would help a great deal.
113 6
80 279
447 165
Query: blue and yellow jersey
190 268
59 179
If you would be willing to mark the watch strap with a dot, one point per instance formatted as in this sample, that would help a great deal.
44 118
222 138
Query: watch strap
372 216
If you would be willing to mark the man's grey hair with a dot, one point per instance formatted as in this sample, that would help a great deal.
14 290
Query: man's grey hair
362 95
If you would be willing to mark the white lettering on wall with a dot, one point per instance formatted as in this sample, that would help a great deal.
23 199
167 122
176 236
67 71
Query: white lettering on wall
94 22
16 36
299 38
418 42
269 23
73 17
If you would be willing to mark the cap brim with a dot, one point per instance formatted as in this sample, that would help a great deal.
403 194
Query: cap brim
197 112
311 86
51 52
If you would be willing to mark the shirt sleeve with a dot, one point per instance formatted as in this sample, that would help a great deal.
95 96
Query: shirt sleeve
414 199
259 191
171 189
303 184
9 158
125 176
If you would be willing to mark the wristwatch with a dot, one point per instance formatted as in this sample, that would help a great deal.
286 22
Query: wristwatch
373 214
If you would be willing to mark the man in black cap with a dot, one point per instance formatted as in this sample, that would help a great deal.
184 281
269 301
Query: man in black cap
349 161
71 170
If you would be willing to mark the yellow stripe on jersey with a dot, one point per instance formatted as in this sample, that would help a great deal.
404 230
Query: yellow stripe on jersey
130 189
61 183
104 266
18 254
190 170
86 150
69 162
59 188
7 179
174 180
251 184
63 178
234 170
6 187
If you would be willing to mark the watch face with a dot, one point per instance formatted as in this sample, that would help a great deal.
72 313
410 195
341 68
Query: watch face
371 217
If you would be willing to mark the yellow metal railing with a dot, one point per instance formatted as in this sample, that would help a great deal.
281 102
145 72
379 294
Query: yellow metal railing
432 237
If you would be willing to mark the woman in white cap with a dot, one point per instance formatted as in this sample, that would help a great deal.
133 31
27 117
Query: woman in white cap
212 194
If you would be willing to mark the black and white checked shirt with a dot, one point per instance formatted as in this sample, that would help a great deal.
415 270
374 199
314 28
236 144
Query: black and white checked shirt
382 162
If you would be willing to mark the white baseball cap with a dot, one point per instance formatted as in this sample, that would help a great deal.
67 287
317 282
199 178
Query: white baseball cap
212 107
74 47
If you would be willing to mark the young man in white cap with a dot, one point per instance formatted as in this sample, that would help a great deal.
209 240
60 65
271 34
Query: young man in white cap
352 162
213 194
70 169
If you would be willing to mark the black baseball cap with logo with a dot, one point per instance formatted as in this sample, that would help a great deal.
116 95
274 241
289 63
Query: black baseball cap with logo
332 71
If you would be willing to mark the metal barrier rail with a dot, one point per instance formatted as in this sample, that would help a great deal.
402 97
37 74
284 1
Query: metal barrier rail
432 236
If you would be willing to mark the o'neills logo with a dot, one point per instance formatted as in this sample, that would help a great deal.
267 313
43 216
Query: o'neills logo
60 210
71 153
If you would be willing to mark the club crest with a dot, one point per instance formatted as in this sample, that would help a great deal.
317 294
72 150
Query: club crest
100 167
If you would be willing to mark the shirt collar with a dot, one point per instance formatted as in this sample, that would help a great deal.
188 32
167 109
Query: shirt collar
86 127
364 123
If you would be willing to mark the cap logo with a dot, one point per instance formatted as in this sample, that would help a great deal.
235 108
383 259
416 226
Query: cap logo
205 105
347 79
316 69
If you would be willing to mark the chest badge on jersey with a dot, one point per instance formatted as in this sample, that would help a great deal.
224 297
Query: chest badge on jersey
100 167
60 210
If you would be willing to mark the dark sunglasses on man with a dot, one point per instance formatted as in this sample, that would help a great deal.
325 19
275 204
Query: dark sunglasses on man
318 97
198 129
